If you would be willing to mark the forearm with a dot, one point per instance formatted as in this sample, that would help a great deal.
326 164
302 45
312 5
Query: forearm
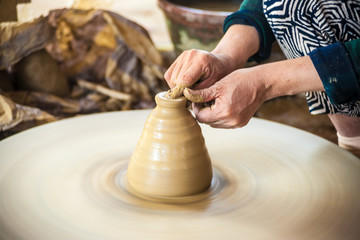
327 69
288 77
251 14
238 44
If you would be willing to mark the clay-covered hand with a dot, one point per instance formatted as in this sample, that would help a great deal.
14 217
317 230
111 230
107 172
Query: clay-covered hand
235 99
237 96
197 66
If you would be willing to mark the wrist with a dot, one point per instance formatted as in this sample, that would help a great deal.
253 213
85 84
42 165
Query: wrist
228 62
288 77
239 43
266 87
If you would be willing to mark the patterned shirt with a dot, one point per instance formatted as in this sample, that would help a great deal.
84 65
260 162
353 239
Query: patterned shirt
327 31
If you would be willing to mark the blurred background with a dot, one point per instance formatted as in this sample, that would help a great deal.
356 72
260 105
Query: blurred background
65 58
144 12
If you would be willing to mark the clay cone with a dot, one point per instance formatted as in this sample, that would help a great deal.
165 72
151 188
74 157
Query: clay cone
170 159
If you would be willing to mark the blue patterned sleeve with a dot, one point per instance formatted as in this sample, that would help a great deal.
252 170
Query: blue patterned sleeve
251 13
338 66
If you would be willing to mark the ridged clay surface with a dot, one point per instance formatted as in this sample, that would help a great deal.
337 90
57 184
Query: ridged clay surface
170 159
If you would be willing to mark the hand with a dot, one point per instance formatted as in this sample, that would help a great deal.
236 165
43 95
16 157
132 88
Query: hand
196 65
236 98
205 68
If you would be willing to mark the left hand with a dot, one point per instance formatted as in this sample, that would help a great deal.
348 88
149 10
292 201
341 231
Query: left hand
236 98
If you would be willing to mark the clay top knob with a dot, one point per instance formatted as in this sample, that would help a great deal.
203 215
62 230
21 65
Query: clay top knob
163 101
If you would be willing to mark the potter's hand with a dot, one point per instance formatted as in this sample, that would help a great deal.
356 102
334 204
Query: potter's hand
205 68
198 66
235 98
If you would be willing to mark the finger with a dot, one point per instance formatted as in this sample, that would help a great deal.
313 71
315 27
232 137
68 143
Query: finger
205 83
175 92
197 107
168 75
189 68
216 125
171 76
208 115
226 124
173 72
191 75
184 64
230 123
201 95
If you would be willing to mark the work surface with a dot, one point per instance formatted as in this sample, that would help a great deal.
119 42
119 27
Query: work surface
66 180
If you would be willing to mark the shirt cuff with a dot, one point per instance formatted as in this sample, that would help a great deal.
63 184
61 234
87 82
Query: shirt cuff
353 48
337 73
259 22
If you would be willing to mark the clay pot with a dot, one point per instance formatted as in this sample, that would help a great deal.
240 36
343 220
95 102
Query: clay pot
170 159
196 24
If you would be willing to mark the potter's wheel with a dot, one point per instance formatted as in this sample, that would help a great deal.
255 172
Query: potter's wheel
65 180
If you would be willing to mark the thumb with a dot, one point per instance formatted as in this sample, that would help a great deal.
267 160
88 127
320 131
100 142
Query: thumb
200 95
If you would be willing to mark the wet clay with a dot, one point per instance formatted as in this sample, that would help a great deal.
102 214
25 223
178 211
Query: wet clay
192 97
182 90
171 159
175 92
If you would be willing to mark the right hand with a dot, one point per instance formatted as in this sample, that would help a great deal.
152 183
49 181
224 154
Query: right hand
197 66
235 98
